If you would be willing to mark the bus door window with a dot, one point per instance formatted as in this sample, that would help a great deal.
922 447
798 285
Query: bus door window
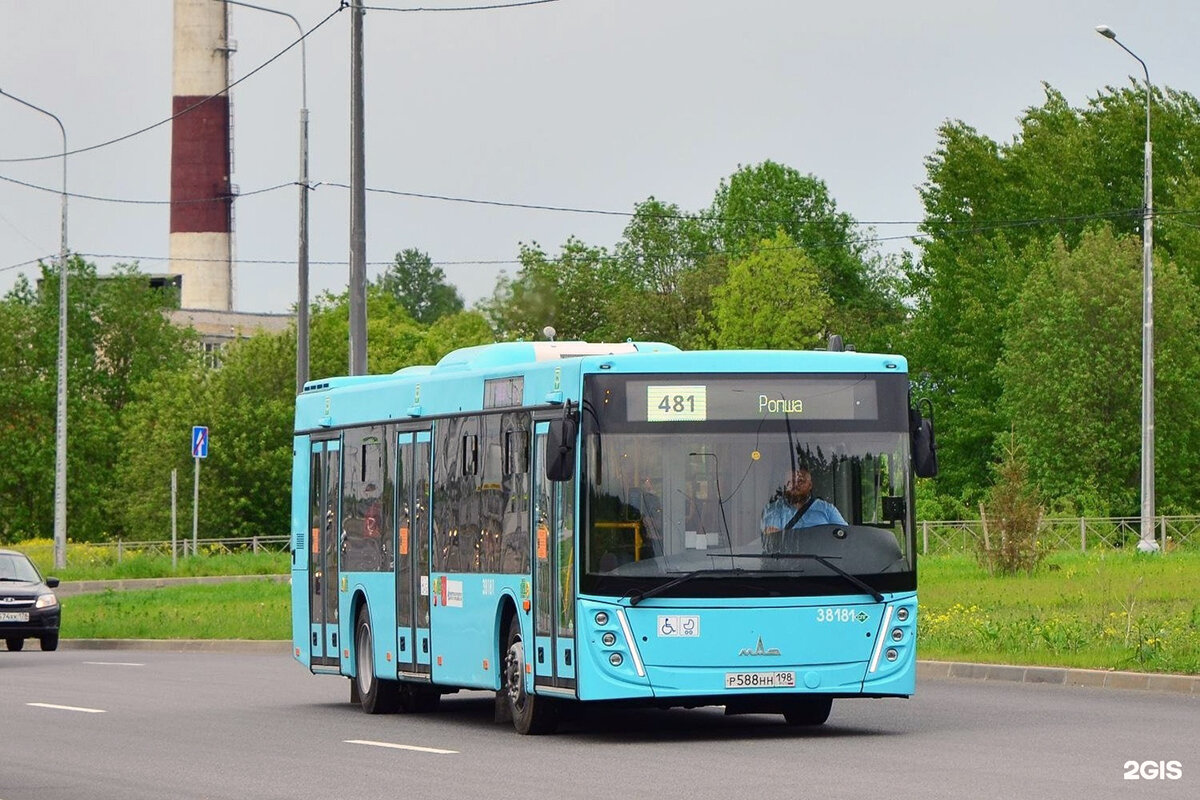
401 467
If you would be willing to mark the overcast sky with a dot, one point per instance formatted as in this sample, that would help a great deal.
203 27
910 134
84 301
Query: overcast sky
592 104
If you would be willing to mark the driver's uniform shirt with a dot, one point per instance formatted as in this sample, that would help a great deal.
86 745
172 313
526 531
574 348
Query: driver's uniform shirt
779 513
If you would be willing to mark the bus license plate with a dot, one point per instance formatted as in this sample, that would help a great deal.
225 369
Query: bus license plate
14 616
760 680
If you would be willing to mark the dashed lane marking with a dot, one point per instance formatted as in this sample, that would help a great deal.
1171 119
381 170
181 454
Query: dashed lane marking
115 663
67 708
393 746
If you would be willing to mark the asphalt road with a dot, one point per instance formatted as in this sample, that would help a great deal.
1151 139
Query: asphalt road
129 725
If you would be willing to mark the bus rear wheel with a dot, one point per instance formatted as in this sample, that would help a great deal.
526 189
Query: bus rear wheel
531 714
376 695
808 710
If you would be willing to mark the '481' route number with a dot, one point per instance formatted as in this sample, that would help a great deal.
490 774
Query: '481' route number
676 403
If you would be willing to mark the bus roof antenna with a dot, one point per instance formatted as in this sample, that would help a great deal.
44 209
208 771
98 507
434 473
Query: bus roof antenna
549 332
835 343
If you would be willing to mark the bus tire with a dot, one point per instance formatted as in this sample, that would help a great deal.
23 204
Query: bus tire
808 710
376 695
531 714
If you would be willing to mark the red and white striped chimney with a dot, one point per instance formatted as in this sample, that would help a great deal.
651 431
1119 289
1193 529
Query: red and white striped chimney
201 203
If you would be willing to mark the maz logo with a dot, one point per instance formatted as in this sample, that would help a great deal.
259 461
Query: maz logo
760 650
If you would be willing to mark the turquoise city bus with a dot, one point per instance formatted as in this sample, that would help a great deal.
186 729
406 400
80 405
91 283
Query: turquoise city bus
572 522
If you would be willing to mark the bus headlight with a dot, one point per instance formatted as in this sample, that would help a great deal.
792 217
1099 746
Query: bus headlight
891 654
615 659
897 634
601 617
609 638
902 614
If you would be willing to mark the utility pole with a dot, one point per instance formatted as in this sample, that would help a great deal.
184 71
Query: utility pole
60 423
358 199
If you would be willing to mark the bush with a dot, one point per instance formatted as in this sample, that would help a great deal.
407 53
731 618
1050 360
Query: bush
1011 518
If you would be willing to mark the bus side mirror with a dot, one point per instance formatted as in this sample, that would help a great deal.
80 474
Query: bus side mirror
924 447
560 449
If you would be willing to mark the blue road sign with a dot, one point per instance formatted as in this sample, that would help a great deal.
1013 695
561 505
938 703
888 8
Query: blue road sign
200 441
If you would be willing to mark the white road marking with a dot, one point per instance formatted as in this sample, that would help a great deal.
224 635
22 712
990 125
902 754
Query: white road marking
115 663
67 708
401 746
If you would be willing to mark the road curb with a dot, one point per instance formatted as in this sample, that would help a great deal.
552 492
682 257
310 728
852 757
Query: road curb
1061 676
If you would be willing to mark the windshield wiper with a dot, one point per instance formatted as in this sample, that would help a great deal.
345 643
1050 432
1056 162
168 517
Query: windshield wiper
638 597
823 560
16 580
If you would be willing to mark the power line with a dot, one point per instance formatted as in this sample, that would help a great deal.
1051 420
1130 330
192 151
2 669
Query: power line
967 226
958 228
741 252
128 201
29 263
275 261
190 108
493 7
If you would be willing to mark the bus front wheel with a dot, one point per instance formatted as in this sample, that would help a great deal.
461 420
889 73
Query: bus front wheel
376 695
531 714
808 710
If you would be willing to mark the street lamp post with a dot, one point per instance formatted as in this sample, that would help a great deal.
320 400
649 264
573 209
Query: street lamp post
358 198
60 422
302 255
1146 543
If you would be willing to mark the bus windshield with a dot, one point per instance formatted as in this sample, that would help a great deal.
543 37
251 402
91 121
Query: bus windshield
783 484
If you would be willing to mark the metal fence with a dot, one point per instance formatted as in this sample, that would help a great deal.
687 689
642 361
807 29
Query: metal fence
1067 533
250 544
953 536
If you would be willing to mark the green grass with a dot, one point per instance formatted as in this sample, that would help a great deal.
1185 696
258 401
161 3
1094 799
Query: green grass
255 610
1102 610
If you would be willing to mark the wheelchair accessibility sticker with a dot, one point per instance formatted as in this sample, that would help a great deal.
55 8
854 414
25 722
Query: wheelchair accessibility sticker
686 626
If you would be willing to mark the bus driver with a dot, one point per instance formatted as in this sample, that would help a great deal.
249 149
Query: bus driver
797 507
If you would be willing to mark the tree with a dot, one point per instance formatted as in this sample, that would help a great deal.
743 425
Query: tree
668 269
420 287
991 210
1071 377
391 334
570 292
956 340
756 202
248 405
153 442
772 299
465 329
252 404
117 338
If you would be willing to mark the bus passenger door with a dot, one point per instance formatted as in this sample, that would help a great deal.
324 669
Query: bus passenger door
412 554
553 574
323 516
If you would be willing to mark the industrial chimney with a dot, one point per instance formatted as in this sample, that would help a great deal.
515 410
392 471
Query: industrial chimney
201 203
